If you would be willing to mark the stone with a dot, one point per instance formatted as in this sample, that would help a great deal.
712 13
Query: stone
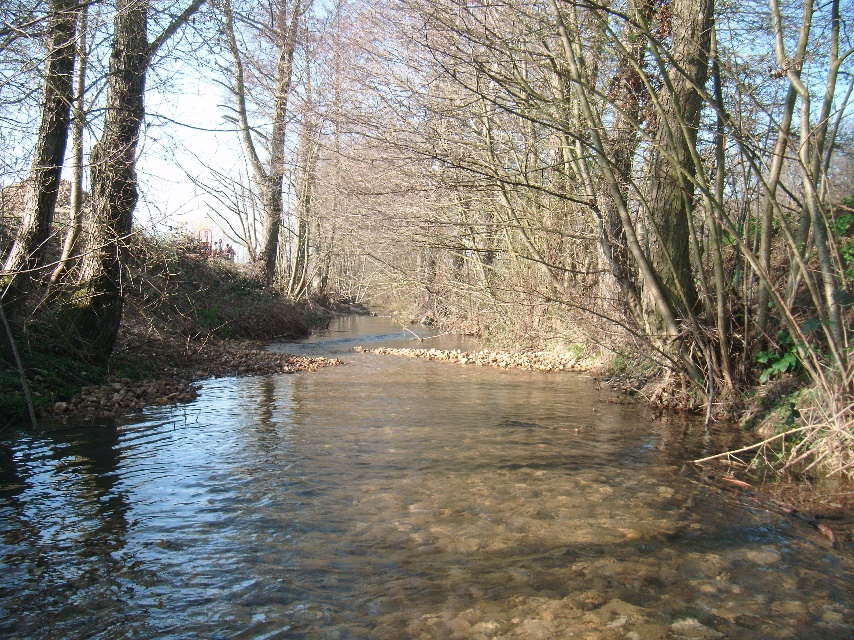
763 556
691 628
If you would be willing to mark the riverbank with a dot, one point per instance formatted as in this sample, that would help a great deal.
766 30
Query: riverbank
187 317
183 365
152 370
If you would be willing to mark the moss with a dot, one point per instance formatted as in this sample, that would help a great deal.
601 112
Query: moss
51 378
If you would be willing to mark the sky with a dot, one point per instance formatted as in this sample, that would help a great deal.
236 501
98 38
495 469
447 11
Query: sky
186 135
171 151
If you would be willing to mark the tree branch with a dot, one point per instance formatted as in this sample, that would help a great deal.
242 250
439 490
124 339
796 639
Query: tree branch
169 31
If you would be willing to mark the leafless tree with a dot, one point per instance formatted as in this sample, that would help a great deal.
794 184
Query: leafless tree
278 29
26 254
98 302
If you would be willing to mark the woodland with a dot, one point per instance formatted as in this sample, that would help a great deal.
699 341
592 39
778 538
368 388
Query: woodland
663 186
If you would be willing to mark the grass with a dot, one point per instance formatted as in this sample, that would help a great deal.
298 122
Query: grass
51 378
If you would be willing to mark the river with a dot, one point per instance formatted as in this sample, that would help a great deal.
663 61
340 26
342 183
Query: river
398 498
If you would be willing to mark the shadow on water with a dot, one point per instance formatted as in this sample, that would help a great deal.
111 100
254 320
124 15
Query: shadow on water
63 519
397 498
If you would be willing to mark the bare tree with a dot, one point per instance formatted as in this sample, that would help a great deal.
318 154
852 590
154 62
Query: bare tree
281 30
26 254
98 302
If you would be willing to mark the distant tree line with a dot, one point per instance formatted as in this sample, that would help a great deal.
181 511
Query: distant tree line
674 173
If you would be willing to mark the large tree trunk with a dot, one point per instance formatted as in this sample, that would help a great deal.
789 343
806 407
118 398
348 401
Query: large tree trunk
114 186
98 301
27 252
671 190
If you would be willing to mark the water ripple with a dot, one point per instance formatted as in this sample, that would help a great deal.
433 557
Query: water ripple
392 498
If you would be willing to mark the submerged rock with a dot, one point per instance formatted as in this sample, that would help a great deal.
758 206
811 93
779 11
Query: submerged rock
691 628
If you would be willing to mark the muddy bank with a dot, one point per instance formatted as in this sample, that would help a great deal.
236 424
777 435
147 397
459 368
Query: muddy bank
527 360
181 366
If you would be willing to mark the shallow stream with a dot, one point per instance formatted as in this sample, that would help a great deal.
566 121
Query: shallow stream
398 498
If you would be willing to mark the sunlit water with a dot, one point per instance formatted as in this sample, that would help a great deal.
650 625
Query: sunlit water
398 498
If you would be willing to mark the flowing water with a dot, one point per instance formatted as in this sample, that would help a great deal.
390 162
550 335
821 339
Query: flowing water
398 498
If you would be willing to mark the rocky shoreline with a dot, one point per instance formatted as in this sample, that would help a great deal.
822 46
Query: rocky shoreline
183 369
527 360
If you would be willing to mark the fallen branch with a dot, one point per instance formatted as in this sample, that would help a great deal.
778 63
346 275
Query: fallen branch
405 328
752 447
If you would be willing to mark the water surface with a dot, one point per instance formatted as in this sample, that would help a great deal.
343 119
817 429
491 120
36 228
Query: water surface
398 498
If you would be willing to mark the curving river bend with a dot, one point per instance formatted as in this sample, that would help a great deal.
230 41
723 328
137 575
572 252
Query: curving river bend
397 498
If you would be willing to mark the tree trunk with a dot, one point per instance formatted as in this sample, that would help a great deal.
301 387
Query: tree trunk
78 120
629 96
306 169
27 252
114 185
97 304
273 208
671 190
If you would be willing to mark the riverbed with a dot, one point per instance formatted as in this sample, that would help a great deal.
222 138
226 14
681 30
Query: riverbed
399 498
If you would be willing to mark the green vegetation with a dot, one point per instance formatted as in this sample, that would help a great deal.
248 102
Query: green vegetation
51 377
785 359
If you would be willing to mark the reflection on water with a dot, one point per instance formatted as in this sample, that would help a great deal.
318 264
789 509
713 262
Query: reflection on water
347 332
397 498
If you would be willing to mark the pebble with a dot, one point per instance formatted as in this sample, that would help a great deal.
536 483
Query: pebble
527 360
763 556
691 628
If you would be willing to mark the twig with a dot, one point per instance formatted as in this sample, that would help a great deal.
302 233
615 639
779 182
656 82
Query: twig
711 386
403 326
21 372
438 335
758 445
